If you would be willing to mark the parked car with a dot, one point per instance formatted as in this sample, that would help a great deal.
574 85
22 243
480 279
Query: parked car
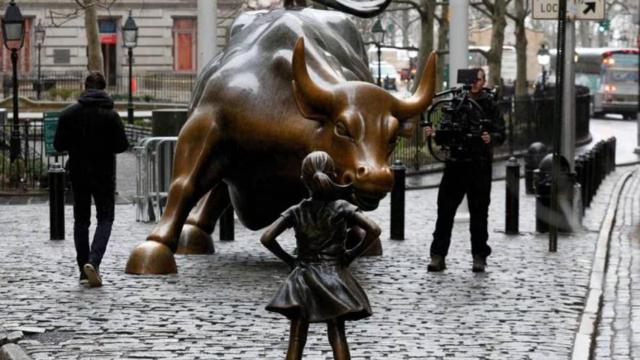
388 73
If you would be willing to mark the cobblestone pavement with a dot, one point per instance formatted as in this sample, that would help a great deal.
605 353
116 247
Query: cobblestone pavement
527 305
618 333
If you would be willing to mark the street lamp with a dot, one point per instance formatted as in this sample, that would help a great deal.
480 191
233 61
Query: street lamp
130 37
543 59
39 34
13 38
378 37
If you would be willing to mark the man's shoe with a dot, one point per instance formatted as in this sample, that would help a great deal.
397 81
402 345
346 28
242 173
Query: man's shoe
479 263
93 275
83 278
437 263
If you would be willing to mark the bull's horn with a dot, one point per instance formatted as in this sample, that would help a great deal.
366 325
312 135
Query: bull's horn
311 97
406 108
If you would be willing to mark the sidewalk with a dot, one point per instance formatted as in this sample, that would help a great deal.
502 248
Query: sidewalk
526 306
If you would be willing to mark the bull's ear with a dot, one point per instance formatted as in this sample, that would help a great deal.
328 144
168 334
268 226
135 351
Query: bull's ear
307 110
407 127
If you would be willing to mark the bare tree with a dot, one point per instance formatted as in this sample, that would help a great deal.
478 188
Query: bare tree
426 11
88 8
443 42
521 12
496 11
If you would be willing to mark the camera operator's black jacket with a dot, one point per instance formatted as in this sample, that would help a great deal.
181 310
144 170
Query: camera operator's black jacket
494 125
92 132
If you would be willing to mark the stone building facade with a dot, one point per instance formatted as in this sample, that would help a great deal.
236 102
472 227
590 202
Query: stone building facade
166 41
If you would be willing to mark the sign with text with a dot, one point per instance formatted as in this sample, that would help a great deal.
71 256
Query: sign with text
582 9
49 126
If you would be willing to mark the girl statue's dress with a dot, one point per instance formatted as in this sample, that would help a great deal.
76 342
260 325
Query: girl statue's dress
320 287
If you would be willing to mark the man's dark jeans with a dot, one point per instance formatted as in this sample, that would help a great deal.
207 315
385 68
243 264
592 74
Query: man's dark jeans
105 202
464 177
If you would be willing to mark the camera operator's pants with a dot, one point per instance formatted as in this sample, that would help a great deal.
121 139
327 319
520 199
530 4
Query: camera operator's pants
460 178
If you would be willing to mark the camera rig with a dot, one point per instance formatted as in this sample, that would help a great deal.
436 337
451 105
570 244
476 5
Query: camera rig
458 121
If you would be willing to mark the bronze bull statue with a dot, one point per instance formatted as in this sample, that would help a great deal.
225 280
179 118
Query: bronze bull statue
289 82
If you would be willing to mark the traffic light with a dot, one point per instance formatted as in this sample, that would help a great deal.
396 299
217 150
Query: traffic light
603 25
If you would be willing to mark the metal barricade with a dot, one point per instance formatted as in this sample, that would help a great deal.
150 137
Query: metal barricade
154 160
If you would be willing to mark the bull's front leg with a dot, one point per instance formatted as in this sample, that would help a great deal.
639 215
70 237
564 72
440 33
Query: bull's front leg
196 232
195 172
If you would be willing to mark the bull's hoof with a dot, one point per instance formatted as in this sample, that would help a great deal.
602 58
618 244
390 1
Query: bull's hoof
194 241
151 257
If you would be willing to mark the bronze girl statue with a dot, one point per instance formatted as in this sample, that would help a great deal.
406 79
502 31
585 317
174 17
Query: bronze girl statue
320 287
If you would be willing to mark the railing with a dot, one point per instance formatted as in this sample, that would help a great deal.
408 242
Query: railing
527 120
154 160
29 170
169 87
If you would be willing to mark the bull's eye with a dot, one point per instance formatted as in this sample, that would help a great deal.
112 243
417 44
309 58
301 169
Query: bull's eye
342 130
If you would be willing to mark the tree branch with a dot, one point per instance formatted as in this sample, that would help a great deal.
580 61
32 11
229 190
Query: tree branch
413 4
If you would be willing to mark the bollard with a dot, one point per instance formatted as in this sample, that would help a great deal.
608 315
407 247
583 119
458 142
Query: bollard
580 178
513 196
397 200
591 155
612 153
614 142
535 153
544 216
226 225
56 201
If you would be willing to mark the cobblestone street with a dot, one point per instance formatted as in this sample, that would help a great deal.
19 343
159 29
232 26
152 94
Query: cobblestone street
527 305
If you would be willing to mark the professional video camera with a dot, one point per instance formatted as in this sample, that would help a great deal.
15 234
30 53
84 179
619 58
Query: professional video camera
458 120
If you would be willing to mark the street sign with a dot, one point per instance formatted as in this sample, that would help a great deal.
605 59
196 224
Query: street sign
545 9
50 124
589 9
582 9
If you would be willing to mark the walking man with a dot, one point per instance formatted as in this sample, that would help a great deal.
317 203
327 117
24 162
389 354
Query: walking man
92 132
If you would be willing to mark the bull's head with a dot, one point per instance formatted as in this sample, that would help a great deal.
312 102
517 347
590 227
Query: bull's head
359 124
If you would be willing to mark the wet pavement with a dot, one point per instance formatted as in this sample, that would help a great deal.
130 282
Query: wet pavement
527 306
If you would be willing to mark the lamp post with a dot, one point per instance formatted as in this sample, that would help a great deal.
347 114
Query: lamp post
39 34
130 37
378 37
543 59
13 38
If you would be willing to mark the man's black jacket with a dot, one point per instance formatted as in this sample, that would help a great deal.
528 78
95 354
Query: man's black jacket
476 149
92 132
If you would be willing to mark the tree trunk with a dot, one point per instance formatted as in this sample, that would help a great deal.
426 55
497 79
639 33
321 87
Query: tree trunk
94 51
494 57
521 50
443 44
405 28
584 27
426 36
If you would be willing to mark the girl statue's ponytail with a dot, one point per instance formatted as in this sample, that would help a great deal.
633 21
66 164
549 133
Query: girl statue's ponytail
318 174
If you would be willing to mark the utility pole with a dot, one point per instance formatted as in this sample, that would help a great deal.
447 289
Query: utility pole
568 133
207 35
458 39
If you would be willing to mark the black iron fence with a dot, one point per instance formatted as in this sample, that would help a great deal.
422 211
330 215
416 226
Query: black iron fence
29 171
527 120
170 87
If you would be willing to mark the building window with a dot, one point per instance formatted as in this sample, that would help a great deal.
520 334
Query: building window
184 44
61 56
24 55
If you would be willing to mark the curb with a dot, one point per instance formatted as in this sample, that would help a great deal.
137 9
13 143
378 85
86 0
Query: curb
585 337
13 352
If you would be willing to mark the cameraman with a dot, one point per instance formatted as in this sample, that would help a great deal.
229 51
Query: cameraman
468 171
